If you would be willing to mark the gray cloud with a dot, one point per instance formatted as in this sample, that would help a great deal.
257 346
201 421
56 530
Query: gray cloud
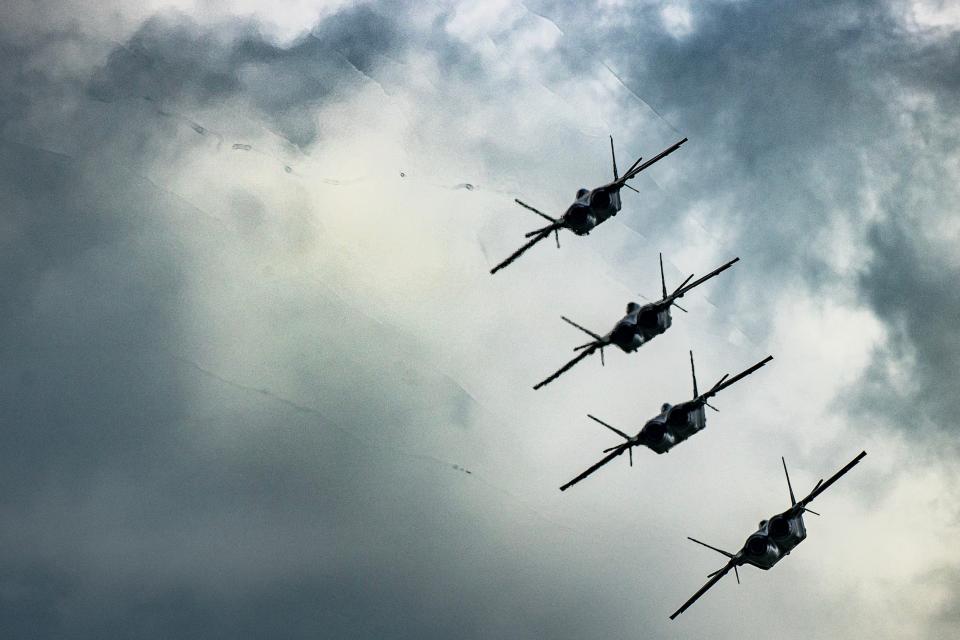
794 114
120 517
172 59
147 497
144 497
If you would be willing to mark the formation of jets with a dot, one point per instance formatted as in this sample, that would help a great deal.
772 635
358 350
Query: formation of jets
776 536
674 424
590 208
641 324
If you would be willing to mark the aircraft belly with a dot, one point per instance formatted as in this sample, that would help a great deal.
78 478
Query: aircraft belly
646 334
762 563
625 337
661 447
631 345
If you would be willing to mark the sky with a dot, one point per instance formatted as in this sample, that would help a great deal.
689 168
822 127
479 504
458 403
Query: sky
257 379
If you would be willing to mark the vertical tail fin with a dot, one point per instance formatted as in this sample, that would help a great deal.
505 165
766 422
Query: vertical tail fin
613 156
793 499
693 372
663 280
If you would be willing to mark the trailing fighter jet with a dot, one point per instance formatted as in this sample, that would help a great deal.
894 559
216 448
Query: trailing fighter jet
639 326
590 207
774 539
673 425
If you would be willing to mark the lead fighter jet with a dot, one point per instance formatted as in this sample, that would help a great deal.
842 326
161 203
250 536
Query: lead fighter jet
774 539
675 423
589 208
641 324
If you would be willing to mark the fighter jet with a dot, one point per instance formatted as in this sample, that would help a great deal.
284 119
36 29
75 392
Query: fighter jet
589 208
639 326
774 539
675 423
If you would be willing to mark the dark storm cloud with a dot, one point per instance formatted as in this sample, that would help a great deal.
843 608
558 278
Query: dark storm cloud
22 82
773 98
123 517
915 293
77 295
146 497
793 112
172 59
120 520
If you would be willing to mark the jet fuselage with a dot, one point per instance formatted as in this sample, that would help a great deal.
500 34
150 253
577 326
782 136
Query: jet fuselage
774 539
675 424
640 325
590 208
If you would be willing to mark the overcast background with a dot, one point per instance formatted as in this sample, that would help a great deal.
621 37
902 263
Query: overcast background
257 381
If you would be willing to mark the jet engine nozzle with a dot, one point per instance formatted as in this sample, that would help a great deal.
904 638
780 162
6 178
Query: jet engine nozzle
655 435
600 200
779 528
760 546
580 218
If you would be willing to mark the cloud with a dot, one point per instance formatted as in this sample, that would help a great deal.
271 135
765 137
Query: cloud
174 59
803 120
290 487
246 362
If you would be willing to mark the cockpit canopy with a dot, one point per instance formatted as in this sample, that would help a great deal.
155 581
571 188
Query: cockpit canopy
582 191
666 406
762 524
632 307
